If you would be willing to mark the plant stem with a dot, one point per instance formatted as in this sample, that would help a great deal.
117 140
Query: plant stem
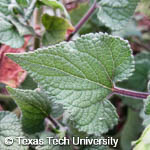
5 97
134 94
37 23
62 129
83 20
55 122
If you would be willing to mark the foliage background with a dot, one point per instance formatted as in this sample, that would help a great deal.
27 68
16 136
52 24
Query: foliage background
48 24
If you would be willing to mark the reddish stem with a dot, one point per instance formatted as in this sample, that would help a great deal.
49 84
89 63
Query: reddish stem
83 20
134 94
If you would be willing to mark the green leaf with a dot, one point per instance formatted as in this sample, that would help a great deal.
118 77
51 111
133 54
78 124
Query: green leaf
28 83
56 29
35 107
21 28
138 81
9 35
10 126
143 143
80 74
115 14
131 29
4 7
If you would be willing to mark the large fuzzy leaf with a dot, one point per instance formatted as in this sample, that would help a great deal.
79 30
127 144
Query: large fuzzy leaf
80 75
116 13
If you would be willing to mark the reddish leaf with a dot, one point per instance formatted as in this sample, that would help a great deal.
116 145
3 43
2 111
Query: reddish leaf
10 72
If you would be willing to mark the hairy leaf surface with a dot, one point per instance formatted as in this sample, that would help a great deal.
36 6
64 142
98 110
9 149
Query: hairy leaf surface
81 74
9 35
35 107
56 29
116 13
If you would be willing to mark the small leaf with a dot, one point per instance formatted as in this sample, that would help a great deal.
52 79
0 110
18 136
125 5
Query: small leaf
9 35
21 28
115 14
81 74
10 126
35 107
56 29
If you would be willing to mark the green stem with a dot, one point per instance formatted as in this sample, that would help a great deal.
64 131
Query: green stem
5 97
